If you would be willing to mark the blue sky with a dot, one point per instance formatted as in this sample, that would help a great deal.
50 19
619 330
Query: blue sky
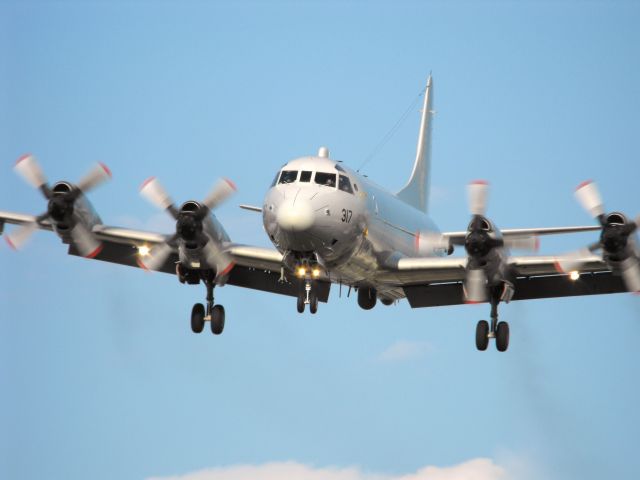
99 372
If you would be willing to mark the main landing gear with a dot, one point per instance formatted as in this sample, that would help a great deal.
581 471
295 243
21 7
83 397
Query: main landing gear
497 330
213 313
307 296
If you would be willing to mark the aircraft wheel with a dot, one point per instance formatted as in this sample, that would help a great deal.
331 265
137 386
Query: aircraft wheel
313 302
197 318
217 319
482 335
502 336
300 304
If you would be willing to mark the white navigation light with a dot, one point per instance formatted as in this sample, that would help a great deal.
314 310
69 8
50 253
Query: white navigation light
575 275
144 250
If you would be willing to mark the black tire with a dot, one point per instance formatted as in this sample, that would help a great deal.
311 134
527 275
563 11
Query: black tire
502 336
313 302
217 319
197 318
300 304
367 298
482 335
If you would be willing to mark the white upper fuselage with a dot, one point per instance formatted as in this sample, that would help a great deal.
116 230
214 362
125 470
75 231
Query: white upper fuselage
319 211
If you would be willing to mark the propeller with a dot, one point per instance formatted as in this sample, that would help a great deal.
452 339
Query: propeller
616 239
479 242
60 208
189 226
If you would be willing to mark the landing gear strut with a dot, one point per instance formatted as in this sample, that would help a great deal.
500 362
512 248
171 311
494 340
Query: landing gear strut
307 296
213 313
498 330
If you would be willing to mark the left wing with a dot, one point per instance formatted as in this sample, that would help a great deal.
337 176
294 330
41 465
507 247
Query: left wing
255 267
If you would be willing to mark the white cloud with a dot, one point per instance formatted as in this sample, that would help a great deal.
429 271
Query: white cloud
404 350
475 469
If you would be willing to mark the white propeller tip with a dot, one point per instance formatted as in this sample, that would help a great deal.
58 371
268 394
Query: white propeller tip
23 158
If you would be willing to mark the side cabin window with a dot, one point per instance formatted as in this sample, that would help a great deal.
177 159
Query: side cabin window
327 179
305 176
344 184
288 176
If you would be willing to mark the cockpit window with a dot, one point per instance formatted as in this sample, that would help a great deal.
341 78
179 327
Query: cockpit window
288 176
344 184
328 179
275 179
305 176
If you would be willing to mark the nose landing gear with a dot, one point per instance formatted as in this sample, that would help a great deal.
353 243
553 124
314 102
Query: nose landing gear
213 313
307 296
498 330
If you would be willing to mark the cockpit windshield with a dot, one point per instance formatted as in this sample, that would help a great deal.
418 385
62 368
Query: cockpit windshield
344 184
327 179
288 176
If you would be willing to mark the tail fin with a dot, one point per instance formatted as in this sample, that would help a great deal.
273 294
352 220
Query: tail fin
416 191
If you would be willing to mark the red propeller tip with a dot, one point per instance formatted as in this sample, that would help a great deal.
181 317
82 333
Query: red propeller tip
147 182
584 184
142 265
537 245
95 253
106 169
558 267
417 241
479 182
231 184
10 243
228 268
472 302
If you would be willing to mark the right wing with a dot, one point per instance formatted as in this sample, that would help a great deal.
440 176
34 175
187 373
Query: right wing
430 282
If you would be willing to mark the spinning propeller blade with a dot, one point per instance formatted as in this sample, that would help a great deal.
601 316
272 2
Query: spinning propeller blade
28 168
222 190
19 237
589 197
478 192
99 174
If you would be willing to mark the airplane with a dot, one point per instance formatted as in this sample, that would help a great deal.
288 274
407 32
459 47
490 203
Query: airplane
331 225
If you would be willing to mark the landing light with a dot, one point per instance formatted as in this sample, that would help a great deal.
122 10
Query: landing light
316 272
302 271
144 250
575 275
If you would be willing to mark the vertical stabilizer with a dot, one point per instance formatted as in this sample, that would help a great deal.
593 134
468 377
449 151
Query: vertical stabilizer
416 191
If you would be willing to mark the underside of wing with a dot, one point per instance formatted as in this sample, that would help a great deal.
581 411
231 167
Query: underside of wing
256 268
431 282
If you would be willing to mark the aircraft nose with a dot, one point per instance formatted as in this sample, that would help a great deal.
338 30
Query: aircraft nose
295 216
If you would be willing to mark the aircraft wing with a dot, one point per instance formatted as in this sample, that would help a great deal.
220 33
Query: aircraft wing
458 237
431 282
255 267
